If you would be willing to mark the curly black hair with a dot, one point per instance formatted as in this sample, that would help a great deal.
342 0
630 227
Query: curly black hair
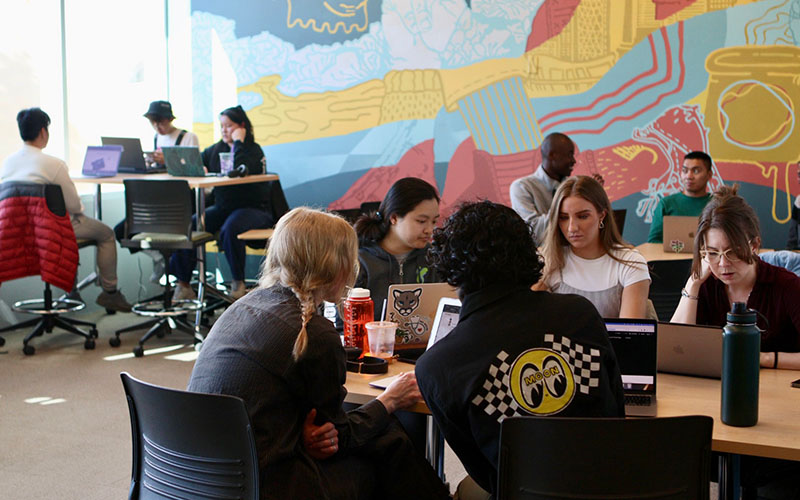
485 243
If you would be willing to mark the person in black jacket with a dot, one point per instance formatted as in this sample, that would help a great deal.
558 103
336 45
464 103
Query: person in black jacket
514 351
236 209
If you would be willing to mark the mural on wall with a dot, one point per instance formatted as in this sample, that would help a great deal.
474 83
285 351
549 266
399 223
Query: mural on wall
346 98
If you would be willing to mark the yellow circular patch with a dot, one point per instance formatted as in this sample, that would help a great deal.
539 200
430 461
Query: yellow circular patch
542 381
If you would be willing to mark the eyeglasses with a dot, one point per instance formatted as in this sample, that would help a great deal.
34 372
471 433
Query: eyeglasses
713 256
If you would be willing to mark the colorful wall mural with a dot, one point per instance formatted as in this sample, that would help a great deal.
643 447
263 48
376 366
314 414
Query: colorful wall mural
346 98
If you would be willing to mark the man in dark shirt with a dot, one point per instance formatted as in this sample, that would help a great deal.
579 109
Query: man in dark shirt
514 351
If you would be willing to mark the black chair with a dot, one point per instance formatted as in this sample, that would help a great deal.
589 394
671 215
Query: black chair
189 445
369 207
554 458
667 280
158 216
619 218
49 311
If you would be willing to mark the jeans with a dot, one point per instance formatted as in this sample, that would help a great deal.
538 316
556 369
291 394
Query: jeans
92 229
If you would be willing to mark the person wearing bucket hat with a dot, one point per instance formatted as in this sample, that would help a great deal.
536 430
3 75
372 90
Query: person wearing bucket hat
161 117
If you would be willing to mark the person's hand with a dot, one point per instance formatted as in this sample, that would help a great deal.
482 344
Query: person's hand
320 441
239 134
693 283
401 393
599 178
158 156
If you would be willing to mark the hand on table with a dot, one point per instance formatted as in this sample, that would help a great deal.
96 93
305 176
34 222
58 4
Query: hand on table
401 393
158 156
320 441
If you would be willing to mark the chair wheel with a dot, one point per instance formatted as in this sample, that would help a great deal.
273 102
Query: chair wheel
28 350
138 351
93 333
89 344
114 342
111 311
2 341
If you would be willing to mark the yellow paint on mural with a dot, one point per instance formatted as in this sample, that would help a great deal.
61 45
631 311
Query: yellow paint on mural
773 172
631 152
353 17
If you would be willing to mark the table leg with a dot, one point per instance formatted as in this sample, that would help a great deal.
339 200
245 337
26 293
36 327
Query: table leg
200 216
434 448
729 478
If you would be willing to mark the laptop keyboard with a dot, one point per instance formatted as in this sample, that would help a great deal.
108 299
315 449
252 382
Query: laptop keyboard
636 400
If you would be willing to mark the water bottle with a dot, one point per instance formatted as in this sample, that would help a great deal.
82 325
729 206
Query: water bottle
741 357
358 311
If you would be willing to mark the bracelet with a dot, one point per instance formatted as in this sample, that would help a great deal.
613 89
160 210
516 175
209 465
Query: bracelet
684 293
775 364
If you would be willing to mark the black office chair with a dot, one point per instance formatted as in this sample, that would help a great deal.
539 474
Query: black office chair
369 207
559 458
189 444
158 216
27 234
667 280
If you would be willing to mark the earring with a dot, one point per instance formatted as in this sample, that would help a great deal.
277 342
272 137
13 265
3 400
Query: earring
601 224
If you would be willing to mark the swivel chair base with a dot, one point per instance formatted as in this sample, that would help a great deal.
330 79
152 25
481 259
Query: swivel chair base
164 319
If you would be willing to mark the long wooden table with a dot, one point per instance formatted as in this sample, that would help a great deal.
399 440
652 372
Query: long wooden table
777 434
655 251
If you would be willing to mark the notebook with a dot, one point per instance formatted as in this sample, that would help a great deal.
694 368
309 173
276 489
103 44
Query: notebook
101 161
183 161
690 349
636 347
413 307
132 160
679 231
446 319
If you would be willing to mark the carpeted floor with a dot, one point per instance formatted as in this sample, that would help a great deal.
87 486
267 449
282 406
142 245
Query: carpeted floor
64 425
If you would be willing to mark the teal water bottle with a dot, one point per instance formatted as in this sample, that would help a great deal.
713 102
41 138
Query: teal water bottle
741 357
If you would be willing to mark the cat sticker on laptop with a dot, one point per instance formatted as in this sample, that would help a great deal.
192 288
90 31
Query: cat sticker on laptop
413 307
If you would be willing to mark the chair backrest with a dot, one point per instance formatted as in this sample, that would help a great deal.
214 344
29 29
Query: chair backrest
619 218
370 206
654 458
189 445
157 206
667 279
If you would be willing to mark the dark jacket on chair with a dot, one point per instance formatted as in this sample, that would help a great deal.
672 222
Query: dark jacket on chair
36 235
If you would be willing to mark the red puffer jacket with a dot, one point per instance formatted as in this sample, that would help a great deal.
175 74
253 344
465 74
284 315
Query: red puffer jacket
36 236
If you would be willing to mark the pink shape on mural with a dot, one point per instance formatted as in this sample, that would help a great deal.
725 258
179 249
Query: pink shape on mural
550 19
665 8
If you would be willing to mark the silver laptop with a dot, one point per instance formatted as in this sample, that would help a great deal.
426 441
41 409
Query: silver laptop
446 319
101 161
678 233
690 349
636 347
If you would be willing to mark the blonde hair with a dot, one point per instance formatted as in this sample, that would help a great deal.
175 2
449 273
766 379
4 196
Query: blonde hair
315 254
592 191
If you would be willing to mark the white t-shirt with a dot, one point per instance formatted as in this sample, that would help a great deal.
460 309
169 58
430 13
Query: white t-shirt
30 164
189 139
600 280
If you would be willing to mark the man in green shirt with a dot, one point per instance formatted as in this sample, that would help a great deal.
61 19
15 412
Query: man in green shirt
695 174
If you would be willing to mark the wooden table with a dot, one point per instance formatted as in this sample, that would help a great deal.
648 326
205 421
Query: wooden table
655 251
777 434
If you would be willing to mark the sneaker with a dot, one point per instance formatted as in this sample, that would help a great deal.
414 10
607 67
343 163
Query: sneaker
114 301
183 292
238 290
158 266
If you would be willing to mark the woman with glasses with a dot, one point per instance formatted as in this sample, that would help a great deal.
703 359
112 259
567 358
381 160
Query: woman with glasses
727 269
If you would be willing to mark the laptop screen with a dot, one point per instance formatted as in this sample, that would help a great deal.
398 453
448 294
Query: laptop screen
636 348
101 161
446 319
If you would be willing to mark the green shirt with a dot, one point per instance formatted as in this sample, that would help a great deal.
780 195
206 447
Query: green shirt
676 204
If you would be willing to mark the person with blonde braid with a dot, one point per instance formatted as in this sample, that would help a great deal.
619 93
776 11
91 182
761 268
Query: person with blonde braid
272 349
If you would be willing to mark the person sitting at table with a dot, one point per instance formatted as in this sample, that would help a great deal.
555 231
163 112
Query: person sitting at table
506 332
695 173
236 208
585 254
274 350
30 164
394 240
160 115
726 269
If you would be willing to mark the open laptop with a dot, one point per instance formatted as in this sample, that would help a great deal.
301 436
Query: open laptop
446 319
679 231
184 161
413 307
101 161
636 347
132 161
690 349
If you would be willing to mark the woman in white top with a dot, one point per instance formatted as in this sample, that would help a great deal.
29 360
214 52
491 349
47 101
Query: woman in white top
584 253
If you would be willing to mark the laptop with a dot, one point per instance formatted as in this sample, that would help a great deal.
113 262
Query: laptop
446 319
636 347
413 307
132 161
679 231
101 161
690 349
183 161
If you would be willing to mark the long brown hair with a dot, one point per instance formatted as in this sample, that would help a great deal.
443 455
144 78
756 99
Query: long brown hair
554 242
728 212
310 252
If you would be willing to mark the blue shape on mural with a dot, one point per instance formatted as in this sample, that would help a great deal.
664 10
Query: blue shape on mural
450 131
